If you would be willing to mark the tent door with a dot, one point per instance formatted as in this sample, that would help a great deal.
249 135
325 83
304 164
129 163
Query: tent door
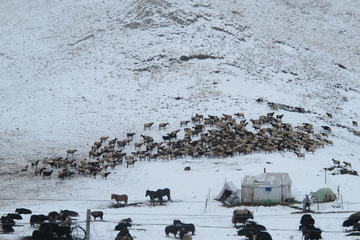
248 195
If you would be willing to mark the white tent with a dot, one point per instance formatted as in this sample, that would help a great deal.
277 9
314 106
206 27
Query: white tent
229 193
267 187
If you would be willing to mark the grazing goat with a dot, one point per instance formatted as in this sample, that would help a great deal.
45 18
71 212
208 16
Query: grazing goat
130 162
35 163
71 152
327 128
138 145
239 115
329 115
24 168
184 123
274 107
165 158
96 214
260 100
105 174
337 162
357 133
112 142
148 125
130 135
227 116
300 155
347 164
103 139
39 171
355 123
47 174
163 125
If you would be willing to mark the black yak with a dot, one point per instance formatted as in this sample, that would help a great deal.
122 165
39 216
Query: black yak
174 229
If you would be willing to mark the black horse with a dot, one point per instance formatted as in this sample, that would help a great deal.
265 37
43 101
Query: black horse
153 195
165 192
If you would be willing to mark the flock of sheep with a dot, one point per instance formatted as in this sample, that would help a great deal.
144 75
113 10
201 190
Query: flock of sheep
212 137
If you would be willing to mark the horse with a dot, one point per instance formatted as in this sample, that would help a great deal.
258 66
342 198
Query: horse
118 198
165 192
153 195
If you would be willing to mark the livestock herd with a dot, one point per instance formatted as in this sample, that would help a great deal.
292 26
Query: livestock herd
56 225
211 137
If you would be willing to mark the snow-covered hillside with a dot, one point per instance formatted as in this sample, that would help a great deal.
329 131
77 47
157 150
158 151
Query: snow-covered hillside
74 71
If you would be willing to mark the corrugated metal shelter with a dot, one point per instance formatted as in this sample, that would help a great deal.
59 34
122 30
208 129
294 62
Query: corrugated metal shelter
267 187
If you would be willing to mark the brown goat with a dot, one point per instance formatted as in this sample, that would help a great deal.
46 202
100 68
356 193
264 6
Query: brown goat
163 125
347 164
300 155
148 125
184 123
337 162
71 152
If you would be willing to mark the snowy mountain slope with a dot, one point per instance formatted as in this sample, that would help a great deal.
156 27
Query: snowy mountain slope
72 72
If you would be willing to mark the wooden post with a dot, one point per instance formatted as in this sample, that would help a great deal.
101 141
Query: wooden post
206 204
87 237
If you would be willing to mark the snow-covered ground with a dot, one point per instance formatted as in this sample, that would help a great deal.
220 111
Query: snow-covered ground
74 71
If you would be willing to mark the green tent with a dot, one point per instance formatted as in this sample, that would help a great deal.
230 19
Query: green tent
323 195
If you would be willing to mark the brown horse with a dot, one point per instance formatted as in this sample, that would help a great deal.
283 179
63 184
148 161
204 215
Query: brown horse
118 198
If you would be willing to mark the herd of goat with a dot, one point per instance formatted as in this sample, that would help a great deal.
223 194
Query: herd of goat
58 225
212 137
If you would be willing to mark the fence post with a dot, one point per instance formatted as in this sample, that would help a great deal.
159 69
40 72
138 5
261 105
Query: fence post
87 237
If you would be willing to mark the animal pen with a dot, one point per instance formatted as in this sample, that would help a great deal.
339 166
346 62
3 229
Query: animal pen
266 188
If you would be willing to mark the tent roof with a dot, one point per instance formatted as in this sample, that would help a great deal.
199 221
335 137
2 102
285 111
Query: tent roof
229 186
266 180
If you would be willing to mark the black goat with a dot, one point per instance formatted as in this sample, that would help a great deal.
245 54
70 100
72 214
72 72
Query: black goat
47 173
